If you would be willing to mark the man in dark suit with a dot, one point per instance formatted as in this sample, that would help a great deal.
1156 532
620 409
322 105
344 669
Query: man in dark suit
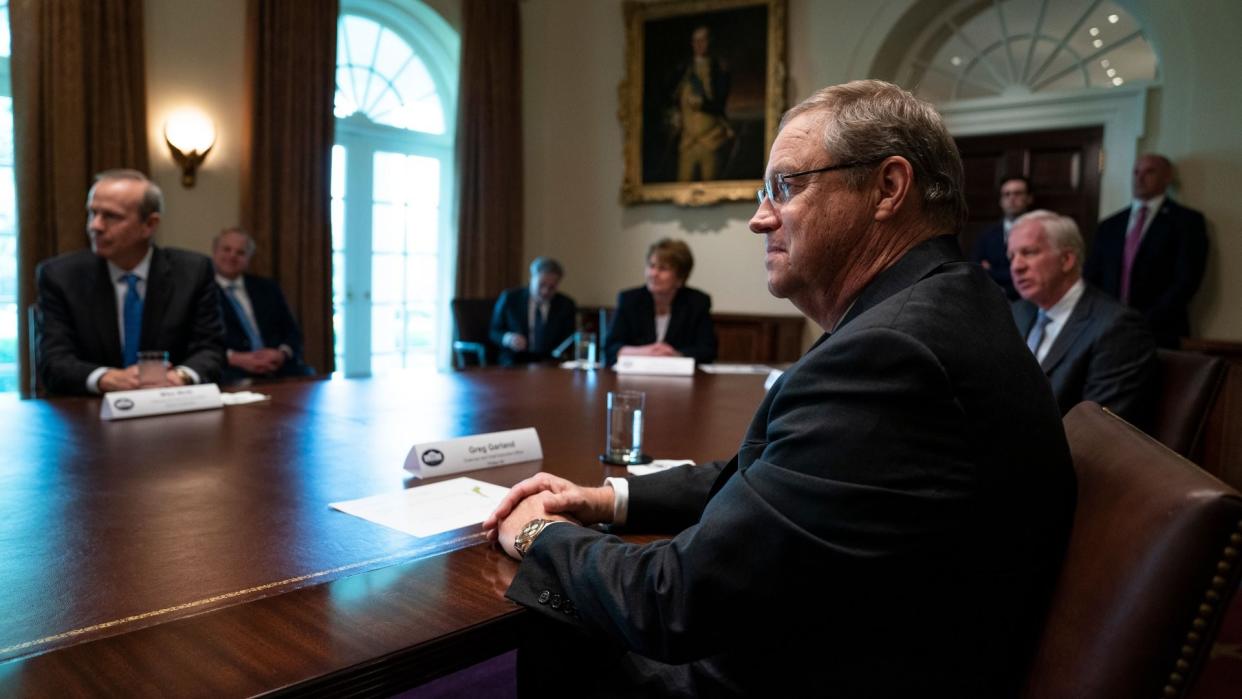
990 248
528 322
894 518
1090 346
261 337
101 306
1151 256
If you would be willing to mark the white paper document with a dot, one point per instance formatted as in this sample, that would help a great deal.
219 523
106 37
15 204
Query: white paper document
657 466
429 509
735 368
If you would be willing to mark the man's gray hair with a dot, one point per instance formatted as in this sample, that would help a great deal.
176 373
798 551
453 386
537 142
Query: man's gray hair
869 120
250 244
152 196
1060 231
545 265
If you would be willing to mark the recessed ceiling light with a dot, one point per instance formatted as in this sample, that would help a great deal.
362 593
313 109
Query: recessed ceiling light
1097 43
1105 63
956 60
1112 72
1112 19
1117 81
1095 31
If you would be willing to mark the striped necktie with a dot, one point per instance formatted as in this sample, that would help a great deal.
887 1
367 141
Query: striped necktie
1036 335
131 319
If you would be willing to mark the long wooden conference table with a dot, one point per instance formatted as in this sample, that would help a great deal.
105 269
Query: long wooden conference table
196 554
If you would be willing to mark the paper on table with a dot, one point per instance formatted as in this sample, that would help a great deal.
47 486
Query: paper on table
657 465
735 368
243 397
429 509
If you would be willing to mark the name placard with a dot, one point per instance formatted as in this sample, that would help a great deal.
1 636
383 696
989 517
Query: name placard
143 402
474 452
664 366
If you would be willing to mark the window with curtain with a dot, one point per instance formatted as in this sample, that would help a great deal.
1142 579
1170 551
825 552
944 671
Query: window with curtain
8 220
392 242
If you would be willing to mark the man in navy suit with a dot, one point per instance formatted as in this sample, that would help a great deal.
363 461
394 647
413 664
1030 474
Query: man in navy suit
990 248
894 518
1090 346
528 322
102 306
1151 255
261 336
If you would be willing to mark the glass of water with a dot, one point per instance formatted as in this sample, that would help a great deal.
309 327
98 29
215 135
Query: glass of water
584 349
624 443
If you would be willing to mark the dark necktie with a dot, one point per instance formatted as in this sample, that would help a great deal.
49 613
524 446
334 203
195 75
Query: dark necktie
536 335
131 315
1036 335
252 334
1133 238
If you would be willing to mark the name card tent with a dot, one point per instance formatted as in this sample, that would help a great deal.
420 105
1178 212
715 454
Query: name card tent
661 366
474 452
143 402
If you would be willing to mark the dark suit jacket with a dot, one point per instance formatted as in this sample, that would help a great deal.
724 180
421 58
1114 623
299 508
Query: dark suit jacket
180 315
690 330
990 246
1105 353
511 314
276 326
891 525
1166 272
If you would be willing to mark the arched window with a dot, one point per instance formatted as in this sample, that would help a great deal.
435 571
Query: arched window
1012 48
8 220
392 247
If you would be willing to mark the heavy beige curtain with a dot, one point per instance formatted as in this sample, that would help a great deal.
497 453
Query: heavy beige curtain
291 63
489 149
79 107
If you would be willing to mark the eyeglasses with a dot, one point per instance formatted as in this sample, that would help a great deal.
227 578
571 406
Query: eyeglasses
777 188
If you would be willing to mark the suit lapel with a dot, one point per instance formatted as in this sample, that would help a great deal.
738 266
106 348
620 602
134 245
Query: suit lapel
156 301
103 288
523 309
1075 325
676 315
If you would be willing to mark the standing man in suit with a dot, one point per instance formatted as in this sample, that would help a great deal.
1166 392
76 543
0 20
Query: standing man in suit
1090 346
1151 255
101 306
529 322
895 516
261 337
990 249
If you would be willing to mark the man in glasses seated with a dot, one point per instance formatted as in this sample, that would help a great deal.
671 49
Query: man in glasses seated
893 520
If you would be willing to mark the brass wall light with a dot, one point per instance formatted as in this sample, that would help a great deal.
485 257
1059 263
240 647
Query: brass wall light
190 136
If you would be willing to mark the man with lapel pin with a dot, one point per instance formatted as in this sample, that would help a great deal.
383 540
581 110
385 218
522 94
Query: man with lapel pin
101 306
1090 346
261 337
1151 255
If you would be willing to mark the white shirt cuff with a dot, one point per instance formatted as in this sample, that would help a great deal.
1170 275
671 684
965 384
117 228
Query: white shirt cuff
92 381
193 374
620 499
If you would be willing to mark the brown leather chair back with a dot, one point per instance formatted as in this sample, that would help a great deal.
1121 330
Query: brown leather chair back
1151 564
1189 382
471 320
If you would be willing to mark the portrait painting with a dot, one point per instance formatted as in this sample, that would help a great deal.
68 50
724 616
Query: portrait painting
702 96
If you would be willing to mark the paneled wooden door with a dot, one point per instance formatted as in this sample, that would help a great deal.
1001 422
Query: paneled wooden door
1063 166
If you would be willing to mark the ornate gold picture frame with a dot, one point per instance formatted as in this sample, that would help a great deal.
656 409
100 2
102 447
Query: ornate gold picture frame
703 92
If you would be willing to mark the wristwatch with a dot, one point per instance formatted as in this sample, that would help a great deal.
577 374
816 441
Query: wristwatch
185 376
526 537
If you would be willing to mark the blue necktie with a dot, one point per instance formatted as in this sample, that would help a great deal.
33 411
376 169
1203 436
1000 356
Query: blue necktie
256 340
1037 331
131 316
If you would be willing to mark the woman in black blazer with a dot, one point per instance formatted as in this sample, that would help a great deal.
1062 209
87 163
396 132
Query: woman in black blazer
664 318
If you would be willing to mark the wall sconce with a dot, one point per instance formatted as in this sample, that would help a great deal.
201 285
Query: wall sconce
190 136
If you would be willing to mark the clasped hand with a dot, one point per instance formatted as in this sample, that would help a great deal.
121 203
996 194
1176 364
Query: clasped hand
544 496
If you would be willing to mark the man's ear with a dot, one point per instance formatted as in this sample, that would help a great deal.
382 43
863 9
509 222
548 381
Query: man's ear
149 226
893 182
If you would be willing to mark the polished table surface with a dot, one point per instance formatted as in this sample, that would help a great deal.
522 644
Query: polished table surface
196 554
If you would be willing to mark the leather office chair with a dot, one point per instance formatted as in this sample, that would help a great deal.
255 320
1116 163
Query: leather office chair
1189 382
1151 564
34 328
471 319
